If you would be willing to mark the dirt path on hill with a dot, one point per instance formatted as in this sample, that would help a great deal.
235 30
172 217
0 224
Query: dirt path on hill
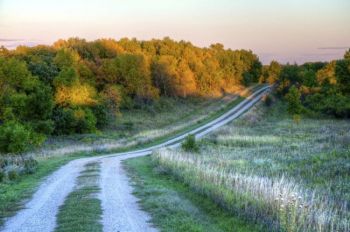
120 209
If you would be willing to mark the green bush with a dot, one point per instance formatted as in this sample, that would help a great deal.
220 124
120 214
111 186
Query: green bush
13 175
190 145
293 100
101 114
30 165
17 138
70 121
2 175
86 121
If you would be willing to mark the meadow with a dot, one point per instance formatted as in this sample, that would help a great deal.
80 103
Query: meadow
148 124
285 174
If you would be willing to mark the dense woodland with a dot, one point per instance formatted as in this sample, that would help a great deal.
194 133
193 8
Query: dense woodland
75 86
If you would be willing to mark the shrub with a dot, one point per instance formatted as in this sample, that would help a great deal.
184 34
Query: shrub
17 138
190 145
13 175
294 102
30 165
70 121
268 100
101 114
2 175
86 121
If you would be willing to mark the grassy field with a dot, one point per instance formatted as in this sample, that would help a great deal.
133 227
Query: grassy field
267 168
136 127
175 207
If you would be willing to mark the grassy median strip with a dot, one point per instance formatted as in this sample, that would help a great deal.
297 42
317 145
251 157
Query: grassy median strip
174 206
82 209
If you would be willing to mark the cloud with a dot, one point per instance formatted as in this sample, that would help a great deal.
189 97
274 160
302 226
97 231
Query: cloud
334 48
9 40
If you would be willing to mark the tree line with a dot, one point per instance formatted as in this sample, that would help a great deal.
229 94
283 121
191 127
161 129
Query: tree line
314 88
76 86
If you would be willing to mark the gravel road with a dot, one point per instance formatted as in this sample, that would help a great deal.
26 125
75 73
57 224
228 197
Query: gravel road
120 207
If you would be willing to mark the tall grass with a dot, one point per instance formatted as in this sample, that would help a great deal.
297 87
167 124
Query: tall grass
266 168
278 202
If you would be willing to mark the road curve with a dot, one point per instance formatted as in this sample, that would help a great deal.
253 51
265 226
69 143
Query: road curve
120 207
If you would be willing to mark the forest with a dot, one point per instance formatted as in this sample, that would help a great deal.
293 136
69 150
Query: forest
76 86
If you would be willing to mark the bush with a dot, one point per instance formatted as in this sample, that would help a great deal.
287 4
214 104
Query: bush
294 102
30 165
268 100
101 114
2 175
13 175
17 138
70 121
86 121
190 145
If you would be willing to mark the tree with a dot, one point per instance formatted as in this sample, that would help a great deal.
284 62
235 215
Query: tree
66 58
293 100
17 138
271 73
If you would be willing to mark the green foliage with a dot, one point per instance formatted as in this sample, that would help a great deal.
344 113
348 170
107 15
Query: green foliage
331 104
30 165
13 175
324 87
75 86
190 145
77 120
17 138
102 115
2 175
293 100
67 77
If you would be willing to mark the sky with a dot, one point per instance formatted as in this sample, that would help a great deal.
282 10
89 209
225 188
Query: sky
283 30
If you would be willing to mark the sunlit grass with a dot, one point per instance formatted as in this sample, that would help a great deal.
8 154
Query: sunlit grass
267 168
142 126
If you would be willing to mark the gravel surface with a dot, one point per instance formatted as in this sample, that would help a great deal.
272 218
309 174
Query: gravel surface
39 214
120 208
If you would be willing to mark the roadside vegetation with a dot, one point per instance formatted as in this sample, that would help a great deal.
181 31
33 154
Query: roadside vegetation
267 167
176 207
14 190
80 87
82 209
21 174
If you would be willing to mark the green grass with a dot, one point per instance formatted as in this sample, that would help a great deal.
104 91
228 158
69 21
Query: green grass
149 125
175 207
272 170
82 210
13 193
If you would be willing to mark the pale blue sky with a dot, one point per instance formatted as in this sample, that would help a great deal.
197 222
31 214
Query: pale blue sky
286 30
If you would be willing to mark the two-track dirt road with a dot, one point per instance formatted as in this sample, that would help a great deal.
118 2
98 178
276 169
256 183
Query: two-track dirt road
120 208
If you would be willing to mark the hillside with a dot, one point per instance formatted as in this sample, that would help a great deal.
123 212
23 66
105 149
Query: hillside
266 169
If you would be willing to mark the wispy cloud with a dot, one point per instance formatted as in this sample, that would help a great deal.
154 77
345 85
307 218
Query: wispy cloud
334 48
10 40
